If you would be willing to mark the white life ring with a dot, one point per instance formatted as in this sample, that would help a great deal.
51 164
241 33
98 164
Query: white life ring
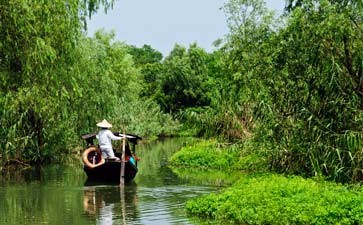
92 164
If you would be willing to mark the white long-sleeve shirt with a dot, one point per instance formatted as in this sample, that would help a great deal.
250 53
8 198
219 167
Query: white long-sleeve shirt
104 137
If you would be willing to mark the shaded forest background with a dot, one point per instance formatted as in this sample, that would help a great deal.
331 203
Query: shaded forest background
291 86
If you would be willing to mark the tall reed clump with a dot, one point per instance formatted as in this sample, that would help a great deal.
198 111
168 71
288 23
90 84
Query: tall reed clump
224 119
302 77
317 100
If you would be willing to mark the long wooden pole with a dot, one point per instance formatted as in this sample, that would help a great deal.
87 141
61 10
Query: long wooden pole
123 205
122 172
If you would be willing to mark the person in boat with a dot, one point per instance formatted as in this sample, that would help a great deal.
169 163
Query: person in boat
129 156
105 136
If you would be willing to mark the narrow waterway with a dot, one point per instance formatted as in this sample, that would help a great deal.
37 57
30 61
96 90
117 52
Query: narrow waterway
58 194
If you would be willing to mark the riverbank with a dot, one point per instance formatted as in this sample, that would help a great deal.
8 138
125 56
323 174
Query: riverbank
266 198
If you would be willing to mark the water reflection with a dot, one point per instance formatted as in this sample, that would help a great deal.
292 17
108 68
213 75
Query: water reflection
108 204
207 177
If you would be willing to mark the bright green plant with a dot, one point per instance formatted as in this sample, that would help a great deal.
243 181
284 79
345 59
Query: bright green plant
275 199
212 155
206 155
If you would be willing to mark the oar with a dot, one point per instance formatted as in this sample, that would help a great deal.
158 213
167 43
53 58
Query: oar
122 172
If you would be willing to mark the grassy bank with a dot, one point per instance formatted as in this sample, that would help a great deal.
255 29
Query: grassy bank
209 154
265 198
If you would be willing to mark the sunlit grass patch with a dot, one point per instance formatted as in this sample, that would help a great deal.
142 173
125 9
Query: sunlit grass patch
209 154
204 154
276 199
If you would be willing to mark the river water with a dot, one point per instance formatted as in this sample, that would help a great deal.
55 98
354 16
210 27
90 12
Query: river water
58 194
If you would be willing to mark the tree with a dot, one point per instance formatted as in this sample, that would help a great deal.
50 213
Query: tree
300 84
303 82
145 55
318 59
37 51
184 79
293 4
149 61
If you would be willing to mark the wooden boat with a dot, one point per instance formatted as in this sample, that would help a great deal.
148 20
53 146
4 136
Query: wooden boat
99 169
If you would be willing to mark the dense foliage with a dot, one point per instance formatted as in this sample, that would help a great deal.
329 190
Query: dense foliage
293 82
317 99
309 75
55 83
36 52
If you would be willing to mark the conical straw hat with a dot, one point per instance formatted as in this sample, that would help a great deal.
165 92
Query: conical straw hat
104 124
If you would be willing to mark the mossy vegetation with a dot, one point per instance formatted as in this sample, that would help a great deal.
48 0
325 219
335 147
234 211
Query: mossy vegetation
204 155
276 199
210 154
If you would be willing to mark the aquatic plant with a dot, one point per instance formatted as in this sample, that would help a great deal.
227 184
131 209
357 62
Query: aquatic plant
275 199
